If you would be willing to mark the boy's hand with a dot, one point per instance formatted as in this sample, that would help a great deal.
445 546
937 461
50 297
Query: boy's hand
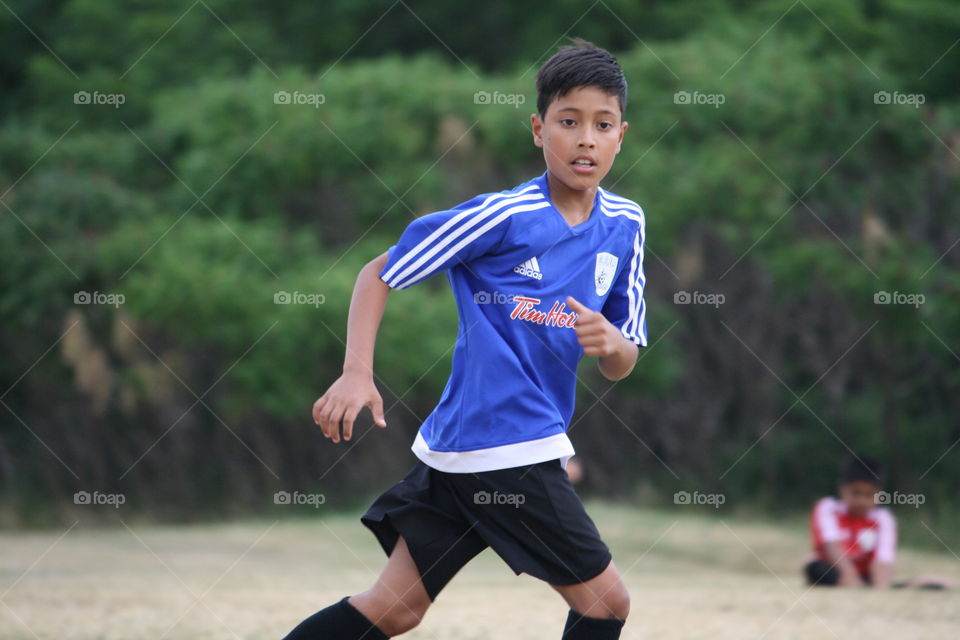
350 393
850 579
595 333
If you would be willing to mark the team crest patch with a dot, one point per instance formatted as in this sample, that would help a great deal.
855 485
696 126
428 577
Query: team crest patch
867 539
603 275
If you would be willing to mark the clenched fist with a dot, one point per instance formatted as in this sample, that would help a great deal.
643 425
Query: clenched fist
595 333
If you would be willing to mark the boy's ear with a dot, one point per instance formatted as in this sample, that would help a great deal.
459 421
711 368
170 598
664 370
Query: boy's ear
537 126
623 130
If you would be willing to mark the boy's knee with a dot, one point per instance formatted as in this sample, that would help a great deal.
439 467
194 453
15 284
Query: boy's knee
617 602
401 619
613 604
607 598
392 615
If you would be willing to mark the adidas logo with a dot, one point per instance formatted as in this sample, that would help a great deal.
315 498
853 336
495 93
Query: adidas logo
530 268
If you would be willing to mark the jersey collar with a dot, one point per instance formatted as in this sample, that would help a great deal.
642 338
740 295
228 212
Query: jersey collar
576 229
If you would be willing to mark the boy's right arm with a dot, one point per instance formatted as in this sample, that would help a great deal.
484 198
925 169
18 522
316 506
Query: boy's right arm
430 244
355 389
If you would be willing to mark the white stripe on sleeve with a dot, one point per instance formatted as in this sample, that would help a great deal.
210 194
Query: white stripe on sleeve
633 328
453 228
423 273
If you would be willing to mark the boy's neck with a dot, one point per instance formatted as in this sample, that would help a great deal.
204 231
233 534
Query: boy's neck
574 205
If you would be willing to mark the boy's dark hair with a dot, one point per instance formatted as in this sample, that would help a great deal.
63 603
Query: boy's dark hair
581 64
863 469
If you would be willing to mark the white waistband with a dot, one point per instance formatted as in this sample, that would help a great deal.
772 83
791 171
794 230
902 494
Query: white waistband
501 457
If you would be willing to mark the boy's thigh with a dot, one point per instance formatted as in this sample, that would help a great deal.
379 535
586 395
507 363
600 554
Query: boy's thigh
398 600
421 512
400 580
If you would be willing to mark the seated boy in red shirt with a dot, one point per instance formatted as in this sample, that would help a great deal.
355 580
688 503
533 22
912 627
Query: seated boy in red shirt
854 541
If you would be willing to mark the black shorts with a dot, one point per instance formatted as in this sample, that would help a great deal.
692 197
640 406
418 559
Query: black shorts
529 515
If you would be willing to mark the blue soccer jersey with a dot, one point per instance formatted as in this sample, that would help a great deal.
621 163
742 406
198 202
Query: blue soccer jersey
512 260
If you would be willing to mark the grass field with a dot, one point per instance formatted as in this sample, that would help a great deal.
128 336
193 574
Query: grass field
690 576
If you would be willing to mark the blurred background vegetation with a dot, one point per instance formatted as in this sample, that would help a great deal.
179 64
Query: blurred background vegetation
800 198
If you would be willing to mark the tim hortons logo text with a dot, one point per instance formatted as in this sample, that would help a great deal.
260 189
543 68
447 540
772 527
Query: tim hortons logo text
526 309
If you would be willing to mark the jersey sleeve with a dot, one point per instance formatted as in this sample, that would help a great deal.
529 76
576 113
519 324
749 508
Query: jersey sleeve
825 525
886 537
438 241
625 307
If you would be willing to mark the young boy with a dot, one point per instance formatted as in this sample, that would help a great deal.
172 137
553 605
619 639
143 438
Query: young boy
543 274
854 541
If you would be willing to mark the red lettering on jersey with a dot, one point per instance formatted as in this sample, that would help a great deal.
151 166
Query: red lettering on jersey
524 305
525 309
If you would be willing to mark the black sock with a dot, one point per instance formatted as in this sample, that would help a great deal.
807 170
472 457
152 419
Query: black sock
580 627
340 621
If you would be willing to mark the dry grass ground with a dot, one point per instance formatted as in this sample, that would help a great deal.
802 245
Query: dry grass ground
690 575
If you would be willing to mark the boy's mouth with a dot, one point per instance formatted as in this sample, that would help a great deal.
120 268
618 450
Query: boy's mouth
583 164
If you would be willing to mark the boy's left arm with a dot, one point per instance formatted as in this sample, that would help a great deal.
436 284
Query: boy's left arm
881 574
598 337
881 569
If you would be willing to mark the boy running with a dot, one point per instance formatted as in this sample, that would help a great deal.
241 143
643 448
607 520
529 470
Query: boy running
543 274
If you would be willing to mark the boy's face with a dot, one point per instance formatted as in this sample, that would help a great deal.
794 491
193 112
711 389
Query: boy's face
580 134
859 496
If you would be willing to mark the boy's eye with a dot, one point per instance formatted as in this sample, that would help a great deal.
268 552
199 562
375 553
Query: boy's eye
568 122
605 125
